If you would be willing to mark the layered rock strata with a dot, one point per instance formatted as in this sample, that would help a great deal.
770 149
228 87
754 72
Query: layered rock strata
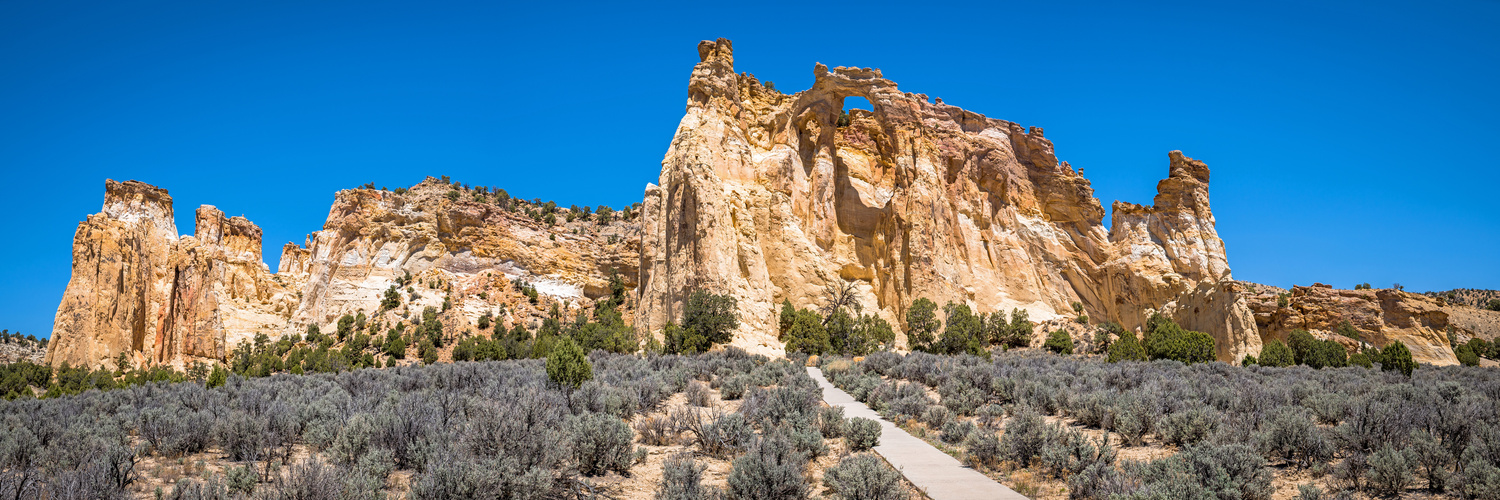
768 197
140 289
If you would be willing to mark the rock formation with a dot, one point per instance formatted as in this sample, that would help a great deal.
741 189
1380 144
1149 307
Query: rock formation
373 237
1380 316
139 288
764 196
767 196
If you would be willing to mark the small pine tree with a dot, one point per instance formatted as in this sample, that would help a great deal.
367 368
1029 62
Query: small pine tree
567 366
1059 342
921 324
217 377
1277 354
1127 348
1397 357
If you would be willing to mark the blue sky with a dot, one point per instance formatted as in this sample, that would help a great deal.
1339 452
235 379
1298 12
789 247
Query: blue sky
1349 142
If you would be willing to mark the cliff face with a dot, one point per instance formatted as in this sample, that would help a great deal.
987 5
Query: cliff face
1380 316
139 288
373 237
764 195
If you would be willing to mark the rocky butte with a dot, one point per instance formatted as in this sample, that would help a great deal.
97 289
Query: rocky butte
763 195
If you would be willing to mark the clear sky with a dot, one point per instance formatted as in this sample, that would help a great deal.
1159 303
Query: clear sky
1349 142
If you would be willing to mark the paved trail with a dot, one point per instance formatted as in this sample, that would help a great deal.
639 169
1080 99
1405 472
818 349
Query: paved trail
935 472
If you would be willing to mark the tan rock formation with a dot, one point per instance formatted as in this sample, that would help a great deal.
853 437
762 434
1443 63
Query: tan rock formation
372 237
138 288
764 195
1381 316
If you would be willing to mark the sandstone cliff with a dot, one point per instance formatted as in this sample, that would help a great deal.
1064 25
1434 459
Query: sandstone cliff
139 288
762 195
765 196
372 237
1380 316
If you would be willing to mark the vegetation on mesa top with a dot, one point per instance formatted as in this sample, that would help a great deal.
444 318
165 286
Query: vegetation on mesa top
542 212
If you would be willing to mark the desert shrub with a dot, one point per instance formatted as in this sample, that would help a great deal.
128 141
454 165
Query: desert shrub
1066 452
935 416
862 434
831 421
698 394
1432 458
1290 434
1059 342
241 480
960 397
956 430
722 435
1189 427
1228 471
1101 482
771 469
807 441
733 387
1309 491
1132 420
682 479
1390 471
1328 407
1024 437
656 431
793 405
865 476
982 449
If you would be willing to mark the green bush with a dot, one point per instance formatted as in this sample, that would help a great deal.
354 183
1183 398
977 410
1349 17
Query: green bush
1166 340
1396 357
962 332
567 366
1276 354
707 319
1466 355
802 331
921 324
1126 348
1059 342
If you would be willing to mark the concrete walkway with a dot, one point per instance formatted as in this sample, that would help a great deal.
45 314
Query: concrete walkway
941 476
